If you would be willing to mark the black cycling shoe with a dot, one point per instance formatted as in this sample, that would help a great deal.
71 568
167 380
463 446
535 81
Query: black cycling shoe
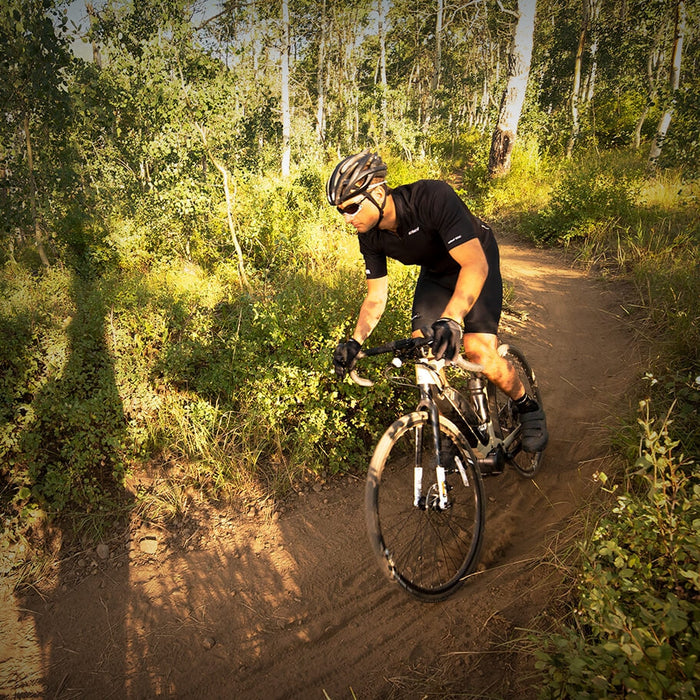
534 430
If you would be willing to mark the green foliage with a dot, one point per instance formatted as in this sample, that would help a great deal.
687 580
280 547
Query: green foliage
583 198
632 630
521 196
143 358
622 221
266 361
33 65
682 144
62 421
636 628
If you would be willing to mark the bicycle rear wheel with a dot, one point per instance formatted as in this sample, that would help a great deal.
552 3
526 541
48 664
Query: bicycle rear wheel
505 416
425 548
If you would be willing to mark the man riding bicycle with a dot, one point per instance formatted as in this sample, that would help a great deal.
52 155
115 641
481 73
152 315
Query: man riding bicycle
459 293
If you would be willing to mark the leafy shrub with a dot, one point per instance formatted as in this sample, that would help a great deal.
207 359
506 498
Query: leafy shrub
636 627
682 144
582 200
62 424
267 361
524 192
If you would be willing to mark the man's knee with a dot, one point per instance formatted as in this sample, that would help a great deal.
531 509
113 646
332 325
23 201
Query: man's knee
481 347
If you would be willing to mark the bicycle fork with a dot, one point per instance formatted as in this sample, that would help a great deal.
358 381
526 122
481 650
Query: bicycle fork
425 378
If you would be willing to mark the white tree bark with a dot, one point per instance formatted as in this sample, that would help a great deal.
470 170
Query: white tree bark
674 83
514 95
594 7
320 84
576 90
285 106
381 22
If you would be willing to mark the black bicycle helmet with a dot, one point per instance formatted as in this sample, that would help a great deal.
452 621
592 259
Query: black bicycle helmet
353 176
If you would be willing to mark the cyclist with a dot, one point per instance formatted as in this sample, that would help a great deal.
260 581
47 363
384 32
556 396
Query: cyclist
459 292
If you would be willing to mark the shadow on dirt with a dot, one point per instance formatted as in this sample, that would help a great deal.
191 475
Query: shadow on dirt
74 448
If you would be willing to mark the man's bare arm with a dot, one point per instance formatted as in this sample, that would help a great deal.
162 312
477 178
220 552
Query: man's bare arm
470 282
372 308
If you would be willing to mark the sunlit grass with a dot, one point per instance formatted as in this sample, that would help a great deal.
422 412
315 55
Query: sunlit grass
670 191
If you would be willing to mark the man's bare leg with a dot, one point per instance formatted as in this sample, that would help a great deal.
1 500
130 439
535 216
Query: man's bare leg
482 348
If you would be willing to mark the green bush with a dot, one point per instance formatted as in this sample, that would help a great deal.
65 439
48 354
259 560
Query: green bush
635 631
585 198
62 420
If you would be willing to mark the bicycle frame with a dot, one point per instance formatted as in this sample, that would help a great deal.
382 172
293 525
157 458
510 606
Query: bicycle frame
490 449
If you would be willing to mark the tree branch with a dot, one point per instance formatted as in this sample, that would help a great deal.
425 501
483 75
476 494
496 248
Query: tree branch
515 13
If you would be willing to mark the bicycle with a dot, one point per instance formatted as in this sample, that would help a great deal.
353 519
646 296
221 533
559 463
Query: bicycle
424 497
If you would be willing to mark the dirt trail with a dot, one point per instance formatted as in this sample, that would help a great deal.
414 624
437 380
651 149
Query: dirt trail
293 606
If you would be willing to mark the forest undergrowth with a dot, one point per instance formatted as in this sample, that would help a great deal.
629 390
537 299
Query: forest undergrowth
139 373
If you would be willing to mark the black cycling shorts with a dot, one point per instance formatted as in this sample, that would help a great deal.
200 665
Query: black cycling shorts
433 292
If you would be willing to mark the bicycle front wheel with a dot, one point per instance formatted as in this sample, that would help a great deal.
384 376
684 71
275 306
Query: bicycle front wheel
425 546
506 419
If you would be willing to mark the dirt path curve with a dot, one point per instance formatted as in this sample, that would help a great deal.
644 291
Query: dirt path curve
294 606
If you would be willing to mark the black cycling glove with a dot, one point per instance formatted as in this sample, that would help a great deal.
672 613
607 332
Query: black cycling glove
447 338
344 357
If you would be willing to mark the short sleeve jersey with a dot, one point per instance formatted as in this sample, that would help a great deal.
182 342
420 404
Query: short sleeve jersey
432 220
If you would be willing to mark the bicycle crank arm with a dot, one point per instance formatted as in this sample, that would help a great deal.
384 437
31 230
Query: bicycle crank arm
493 463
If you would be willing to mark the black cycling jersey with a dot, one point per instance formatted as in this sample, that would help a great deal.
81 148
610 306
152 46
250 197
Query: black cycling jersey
432 220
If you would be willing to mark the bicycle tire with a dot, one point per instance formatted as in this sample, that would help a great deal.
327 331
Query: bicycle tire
505 416
427 551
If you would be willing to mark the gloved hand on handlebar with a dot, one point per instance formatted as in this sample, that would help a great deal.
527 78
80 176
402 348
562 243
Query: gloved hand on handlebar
447 338
344 357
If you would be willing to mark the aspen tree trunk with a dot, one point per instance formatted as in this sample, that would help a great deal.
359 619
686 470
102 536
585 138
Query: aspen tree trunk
514 95
96 56
483 111
575 92
382 62
653 65
674 83
226 182
435 82
594 6
286 110
32 193
320 86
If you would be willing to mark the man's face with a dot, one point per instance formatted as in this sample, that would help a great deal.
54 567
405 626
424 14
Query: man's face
360 212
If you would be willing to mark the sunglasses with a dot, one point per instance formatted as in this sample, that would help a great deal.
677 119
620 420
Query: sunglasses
351 209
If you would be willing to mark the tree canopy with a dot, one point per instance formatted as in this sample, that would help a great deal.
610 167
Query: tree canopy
280 82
